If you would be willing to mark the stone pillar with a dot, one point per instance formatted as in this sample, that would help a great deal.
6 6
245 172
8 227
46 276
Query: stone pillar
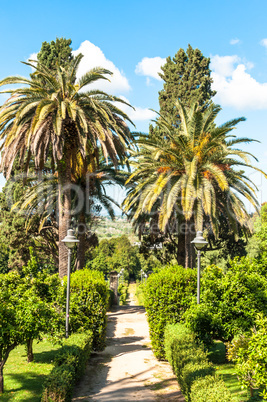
113 285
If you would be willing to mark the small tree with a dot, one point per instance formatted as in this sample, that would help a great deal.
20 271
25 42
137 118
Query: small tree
249 352
11 334
38 296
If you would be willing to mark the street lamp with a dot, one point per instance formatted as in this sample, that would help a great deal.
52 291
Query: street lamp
199 243
70 240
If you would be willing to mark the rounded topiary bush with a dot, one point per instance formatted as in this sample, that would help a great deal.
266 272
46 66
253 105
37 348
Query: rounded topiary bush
89 297
167 295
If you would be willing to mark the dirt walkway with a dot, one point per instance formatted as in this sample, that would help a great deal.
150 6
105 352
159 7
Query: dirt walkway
127 369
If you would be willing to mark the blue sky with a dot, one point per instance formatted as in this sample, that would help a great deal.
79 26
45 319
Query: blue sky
133 38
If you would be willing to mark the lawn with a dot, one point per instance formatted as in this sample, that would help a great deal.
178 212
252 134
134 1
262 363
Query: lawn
226 371
23 381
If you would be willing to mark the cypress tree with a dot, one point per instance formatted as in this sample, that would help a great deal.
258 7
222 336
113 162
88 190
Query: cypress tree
54 52
186 77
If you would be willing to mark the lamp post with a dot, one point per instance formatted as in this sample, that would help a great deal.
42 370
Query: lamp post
70 240
199 243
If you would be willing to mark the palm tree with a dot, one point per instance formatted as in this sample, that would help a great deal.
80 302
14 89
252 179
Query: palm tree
51 117
190 171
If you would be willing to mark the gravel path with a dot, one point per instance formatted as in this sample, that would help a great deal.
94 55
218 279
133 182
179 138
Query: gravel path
127 369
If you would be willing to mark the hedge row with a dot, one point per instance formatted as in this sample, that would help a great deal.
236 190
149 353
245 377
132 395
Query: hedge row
195 374
69 365
89 299
123 292
167 295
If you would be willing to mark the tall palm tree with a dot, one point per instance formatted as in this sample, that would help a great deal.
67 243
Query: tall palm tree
91 178
190 171
51 117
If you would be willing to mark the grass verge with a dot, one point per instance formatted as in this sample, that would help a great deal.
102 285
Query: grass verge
227 372
24 381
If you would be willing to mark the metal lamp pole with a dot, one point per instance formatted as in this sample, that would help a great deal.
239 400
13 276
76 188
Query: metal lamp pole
70 240
199 243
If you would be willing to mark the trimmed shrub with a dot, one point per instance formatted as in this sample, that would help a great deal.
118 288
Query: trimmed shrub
111 298
190 364
210 389
191 372
122 292
88 305
167 295
206 326
70 363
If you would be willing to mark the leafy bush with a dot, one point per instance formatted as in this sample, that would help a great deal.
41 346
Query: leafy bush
210 389
123 291
230 301
190 363
180 347
249 352
191 372
206 326
167 295
139 293
88 304
70 363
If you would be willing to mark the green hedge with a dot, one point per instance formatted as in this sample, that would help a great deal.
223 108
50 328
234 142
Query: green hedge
210 389
70 363
123 292
89 298
167 295
191 366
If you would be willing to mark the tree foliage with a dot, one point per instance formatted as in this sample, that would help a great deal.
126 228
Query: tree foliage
230 301
117 254
55 53
28 308
16 239
187 78
249 352
51 120
190 176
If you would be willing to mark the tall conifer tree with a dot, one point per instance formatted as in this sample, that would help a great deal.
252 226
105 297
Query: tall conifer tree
187 78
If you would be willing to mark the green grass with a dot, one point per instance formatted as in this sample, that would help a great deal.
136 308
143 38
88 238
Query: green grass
227 372
139 295
23 381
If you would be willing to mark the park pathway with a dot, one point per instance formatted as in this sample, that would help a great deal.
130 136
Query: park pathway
127 371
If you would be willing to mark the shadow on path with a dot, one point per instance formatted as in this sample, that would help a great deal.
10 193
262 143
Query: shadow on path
126 370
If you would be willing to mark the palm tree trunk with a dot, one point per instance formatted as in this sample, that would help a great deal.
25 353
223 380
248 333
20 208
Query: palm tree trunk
82 244
190 254
181 250
64 205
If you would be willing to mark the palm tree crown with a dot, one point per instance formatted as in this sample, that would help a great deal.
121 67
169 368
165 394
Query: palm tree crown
190 171
53 118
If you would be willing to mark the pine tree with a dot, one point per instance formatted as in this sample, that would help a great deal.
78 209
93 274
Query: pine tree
187 78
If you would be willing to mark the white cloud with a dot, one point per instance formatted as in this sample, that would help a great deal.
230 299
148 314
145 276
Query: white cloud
136 114
263 42
224 65
33 56
94 57
150 67
234 41
235 86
